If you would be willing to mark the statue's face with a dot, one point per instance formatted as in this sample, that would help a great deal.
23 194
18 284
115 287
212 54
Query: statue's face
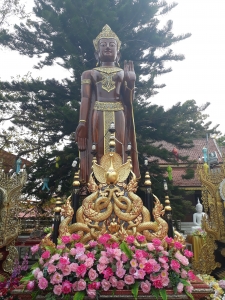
107 50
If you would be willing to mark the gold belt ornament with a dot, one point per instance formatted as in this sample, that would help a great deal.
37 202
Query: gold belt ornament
108 109
108 106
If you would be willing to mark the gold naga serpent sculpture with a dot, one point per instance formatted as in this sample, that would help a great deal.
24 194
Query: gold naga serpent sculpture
113 207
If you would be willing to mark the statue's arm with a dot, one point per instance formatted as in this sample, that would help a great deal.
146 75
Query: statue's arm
195 220
129 82
81 134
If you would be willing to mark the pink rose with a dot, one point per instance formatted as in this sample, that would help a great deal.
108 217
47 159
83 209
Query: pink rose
42 283
66 287
30 285
108 272
35 272
130 239
41 261
156 242
120 272
148 268
61 247
188 253
124 257
92 244
57 290
104 238
103 260
156 267
129 279
34 248
75 237
168 240
178 245
89 262
139 274
64 260
51 268
189 288
39 275
165 281
175 265
183 273
81 270
150 246
65 239
182 258
113 281
101 268
140 238
46 254
81 285
73 251
66 270
56 278
158 284
79 245
91 293
92 274
120 285
180 287
73 267
145 286
191 275
91 255
94 285
106 285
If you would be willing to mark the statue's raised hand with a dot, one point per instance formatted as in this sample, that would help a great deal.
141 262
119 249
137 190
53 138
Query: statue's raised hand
129 74
81 136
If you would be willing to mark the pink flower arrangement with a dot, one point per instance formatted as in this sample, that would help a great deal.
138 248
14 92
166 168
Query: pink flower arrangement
72 268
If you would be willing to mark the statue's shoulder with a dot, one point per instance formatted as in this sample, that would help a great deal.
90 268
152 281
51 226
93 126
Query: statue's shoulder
86 74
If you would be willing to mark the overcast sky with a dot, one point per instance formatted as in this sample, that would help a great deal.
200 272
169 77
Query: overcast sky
200 76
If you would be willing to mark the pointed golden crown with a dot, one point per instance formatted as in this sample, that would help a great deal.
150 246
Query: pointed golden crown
106 33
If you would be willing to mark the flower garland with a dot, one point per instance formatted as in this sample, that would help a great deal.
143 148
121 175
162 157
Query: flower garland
217 285
102 265
199 232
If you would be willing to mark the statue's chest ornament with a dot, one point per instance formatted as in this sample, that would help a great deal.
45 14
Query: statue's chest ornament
107 77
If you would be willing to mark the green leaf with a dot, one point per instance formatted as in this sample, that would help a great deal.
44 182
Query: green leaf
185 283
189 295
50 296
34 294
163 294
79 295
155 292
134 289
27 278
34 266
51 249
124 247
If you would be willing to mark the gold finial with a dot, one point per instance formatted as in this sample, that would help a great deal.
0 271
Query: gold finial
167 204
106 33
147 179
111 175
76 182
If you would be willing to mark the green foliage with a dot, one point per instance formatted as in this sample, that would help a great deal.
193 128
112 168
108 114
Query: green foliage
124 247
163 294
134 289
79 295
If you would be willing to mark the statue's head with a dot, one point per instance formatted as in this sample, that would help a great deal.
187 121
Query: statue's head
107 45
199 207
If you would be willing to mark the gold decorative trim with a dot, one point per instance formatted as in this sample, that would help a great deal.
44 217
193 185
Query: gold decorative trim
108 106
86 81
108 70
108 84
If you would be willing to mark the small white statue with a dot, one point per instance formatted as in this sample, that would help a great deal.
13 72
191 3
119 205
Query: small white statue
197 217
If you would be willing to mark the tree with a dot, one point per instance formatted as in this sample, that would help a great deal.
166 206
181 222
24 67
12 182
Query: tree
63 32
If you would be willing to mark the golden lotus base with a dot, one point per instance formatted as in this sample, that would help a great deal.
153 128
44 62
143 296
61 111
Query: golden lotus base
201 292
